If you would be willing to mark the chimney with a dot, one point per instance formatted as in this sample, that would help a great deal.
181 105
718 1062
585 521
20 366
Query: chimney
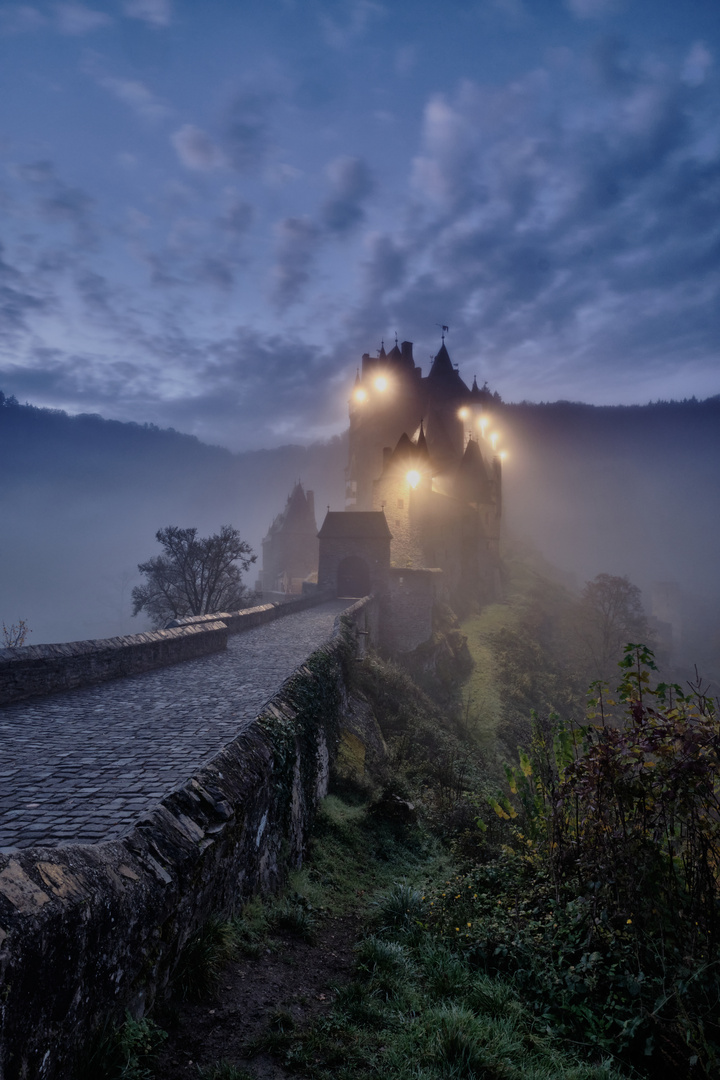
407 353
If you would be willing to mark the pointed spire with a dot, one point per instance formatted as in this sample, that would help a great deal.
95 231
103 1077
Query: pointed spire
421 443
442 364
472 483
382 354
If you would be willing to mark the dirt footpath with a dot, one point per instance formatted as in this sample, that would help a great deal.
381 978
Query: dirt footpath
294 977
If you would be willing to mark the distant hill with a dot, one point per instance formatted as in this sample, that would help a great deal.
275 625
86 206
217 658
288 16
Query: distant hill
82 498
622 489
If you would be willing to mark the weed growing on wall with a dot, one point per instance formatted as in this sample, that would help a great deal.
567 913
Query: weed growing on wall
316 699
202 961
122 1052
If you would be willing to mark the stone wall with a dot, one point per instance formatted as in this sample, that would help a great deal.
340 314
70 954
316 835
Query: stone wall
90 931
409 617
237 621
32 670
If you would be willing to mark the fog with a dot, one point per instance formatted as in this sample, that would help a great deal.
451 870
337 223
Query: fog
82 499
623 490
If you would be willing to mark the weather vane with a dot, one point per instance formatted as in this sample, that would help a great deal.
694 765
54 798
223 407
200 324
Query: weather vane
445 330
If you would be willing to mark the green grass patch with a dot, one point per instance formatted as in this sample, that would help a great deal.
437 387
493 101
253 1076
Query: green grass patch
482 700
417 1008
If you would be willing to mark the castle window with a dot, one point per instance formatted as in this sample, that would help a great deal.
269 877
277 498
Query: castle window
400 504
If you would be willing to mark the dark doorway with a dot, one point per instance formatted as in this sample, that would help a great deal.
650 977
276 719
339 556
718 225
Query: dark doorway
353 577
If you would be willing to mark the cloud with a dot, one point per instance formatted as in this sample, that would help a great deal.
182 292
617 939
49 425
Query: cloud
592 9
351 184
353 20
60 203
153 12
76 19
574 238
697 63
297 244
196 149
135 94
238 217
17 302
71 205
217 271
21 19
246 136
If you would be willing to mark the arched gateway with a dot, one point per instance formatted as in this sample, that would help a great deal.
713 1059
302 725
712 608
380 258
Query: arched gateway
353 577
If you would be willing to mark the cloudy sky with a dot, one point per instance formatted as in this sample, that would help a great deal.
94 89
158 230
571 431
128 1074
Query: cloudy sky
210 210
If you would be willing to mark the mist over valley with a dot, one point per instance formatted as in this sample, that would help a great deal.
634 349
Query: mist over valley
626 490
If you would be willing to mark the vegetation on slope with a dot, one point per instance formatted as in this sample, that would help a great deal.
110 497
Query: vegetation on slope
556 918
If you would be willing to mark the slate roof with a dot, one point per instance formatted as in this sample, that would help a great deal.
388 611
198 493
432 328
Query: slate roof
342 524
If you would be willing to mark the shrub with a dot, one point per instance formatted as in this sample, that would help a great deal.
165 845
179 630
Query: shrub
607 904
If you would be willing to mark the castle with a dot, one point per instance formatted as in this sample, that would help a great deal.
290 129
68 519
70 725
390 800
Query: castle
422 458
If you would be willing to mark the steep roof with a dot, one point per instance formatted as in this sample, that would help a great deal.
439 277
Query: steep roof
365 524
298 515
443 372
471 482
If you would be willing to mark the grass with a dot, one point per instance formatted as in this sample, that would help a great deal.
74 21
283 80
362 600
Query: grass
204 958
482 699
416 1008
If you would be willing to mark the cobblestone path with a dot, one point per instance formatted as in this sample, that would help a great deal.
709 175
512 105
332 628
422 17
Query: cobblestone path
82 766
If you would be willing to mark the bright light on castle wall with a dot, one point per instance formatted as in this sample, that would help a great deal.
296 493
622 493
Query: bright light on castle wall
493 440
503 455
359 395
413 478
463 413
482 424
381 383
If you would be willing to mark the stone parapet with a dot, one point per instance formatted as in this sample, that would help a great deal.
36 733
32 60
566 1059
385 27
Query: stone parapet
33 670
237 621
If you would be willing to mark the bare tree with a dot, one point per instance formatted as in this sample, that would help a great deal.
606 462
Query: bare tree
13 636
194 575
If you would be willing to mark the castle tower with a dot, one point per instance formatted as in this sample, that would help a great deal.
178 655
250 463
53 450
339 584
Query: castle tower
290 549
418 451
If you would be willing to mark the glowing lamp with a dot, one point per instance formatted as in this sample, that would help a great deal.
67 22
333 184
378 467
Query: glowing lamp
463 413
482 423
503 455
359 395
381 383
413 478
494 439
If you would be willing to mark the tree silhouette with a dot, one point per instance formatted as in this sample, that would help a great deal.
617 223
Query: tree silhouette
194 575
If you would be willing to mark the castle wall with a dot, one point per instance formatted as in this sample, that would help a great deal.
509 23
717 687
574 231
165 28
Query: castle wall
89 931
412 596
404 507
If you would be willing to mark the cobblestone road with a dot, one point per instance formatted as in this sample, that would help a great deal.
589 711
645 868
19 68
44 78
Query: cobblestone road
82 766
